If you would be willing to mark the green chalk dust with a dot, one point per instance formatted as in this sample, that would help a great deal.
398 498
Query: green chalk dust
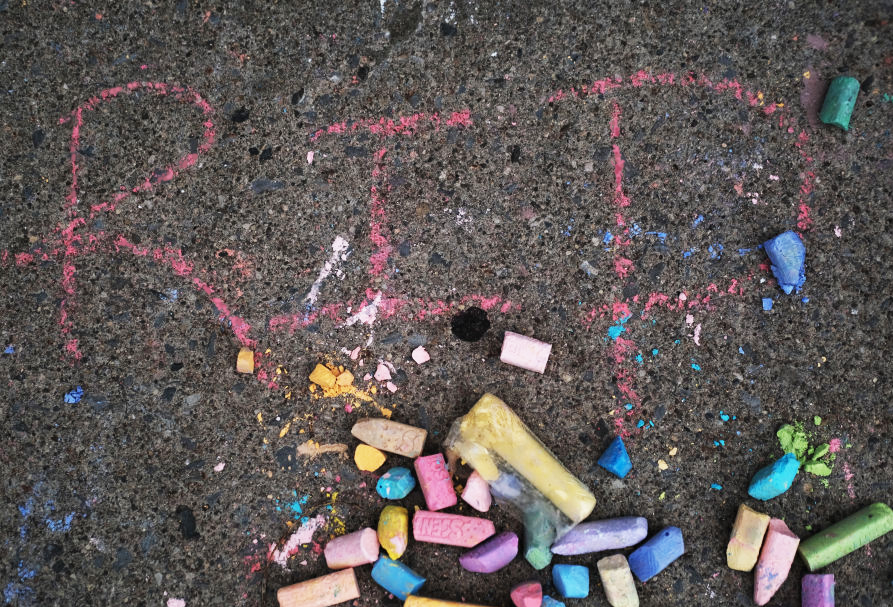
793 439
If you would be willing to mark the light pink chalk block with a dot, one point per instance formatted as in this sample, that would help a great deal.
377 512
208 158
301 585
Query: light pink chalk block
434 478
525 352
450 529
477 493
779 549
352 550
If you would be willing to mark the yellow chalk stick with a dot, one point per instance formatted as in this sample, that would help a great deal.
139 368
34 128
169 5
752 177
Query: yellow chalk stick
393 530
245 361
323 376
418 601
747 537
368 459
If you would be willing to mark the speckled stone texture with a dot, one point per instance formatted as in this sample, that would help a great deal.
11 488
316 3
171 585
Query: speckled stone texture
175 477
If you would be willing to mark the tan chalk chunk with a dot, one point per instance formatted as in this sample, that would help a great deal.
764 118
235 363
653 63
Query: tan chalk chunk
747 537
389 436
323 376
418 601
617 579
368 459
324 591
245 361
345 378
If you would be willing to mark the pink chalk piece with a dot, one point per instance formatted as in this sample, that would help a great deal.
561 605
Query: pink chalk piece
525 352
352 550
527 594
176 602
420 355
450 529
391 386
477 493
779 549
382 373
434 478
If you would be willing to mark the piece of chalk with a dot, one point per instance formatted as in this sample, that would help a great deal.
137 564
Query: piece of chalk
747 537
550 602
539 533
418 601
396 483
393 530
389 436
779 550
847 535
245 361
817 590
527 594
615 459
477 493
767 303
617 580
368 459
434 479
331 589
774 479
840 101
656 554
345 378
788 256
450 529
525 352
352 550
396 578
492 554
323 376
420 355
597 536
572 581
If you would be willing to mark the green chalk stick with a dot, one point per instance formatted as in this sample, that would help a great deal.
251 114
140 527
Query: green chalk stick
847 535
840 101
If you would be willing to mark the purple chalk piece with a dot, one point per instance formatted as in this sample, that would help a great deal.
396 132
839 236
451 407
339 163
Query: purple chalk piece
788 256
818 590
596 536
492 555
656 554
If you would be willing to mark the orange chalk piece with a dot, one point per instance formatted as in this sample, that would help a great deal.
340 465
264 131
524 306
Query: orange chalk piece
245 361
418 601
389 436
345 378
747 537
323 376
331 589
368 459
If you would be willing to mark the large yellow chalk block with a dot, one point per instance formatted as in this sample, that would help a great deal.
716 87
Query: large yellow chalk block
418 601
393 530
323 591
368 459
747 537
323 376
245 361
491 426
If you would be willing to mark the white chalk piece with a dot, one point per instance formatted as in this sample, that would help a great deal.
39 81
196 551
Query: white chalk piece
525 352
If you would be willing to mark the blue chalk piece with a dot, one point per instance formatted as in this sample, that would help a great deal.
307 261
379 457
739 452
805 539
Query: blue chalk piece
640 423
74 396
9 350
716 486
774 479
696 366
805 300
767 303
628 406
572 581
615 458
656 554
550 602
697 221
395 484
788 256
396 578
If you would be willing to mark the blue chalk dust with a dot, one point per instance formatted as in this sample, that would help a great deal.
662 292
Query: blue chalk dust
615 459
396 578
788 256
774 479
572 581
656 554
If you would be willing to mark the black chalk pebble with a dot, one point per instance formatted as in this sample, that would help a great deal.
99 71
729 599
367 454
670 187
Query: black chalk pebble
471 324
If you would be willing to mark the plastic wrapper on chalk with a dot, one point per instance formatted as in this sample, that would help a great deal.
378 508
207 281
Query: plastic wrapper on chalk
522 473
788 256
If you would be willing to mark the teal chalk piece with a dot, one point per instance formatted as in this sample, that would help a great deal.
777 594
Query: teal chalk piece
550 602
395 484
572 581
840 101
396 578
615 459
774 479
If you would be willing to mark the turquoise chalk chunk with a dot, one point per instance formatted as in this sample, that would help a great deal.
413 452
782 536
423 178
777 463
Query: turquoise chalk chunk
840 101
550 602
615 459
396 578
774 479
572 581
656 554
395 484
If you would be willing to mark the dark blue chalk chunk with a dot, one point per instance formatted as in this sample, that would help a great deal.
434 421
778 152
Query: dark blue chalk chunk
615 459
788 256
767 303
396 578
656 554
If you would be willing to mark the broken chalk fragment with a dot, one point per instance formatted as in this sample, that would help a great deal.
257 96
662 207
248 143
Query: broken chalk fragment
539 533
322 376
352 550
331 589
779 550
608 534
396 578
389 436
817 590
525 352
245 361
345 378
368 459
572 581
788 256
617 579
747 537
774 479
550 602
615 459
491 555
840 101
767 303
393 530
656 554
477 492
450 529
847 535
420 355
434 479
74 396
418 601
395 484
382 373
527 594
